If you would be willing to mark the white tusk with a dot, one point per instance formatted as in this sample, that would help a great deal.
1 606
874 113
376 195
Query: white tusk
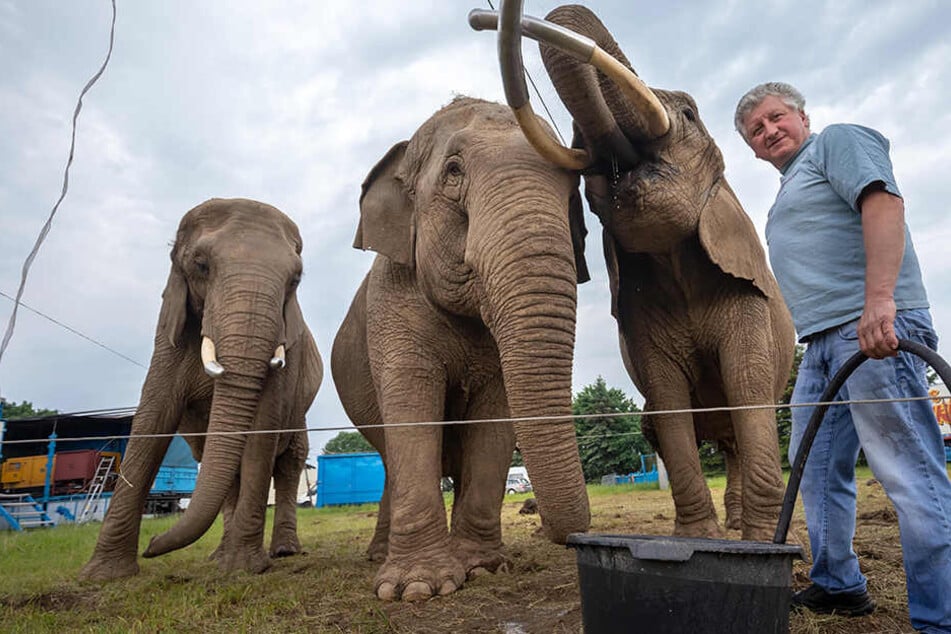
278 360
209 359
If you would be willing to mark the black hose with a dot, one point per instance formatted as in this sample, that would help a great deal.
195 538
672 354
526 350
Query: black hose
795 475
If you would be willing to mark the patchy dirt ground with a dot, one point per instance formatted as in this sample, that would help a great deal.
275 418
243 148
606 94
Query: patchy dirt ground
330 588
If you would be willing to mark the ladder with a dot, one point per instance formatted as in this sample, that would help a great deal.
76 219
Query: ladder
21 511
96 486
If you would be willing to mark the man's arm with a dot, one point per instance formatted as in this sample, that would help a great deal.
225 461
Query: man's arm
883 230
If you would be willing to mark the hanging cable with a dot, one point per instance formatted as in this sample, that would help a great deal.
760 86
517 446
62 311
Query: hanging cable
49 221
539 95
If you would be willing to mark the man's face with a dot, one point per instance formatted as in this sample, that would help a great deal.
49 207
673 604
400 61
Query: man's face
775 130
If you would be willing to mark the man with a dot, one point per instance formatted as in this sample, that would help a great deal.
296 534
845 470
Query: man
845 263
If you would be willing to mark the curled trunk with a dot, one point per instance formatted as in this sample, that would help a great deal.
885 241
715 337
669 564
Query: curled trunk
607 120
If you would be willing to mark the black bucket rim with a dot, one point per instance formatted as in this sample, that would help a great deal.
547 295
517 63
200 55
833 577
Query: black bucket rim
676 548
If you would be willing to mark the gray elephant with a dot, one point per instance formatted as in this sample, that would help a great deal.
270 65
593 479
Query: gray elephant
701 320
232 354
468 313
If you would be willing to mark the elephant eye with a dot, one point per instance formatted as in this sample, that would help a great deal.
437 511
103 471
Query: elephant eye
295 280
201 265
453 172
690 115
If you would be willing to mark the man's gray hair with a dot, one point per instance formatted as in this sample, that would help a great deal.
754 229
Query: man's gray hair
754 96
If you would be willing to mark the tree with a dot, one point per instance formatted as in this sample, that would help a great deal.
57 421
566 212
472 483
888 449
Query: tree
24 409
348 442
607 444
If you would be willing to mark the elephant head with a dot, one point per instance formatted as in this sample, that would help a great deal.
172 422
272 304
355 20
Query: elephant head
653 174
230 299
492 234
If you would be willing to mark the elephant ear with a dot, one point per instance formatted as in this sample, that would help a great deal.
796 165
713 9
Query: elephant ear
387 223
729 238
294 325
174 307
578 233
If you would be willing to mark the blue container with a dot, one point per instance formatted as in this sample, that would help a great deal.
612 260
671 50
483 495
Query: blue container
178 472
349 478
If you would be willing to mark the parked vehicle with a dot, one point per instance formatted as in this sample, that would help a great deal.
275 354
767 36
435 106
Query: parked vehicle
517 484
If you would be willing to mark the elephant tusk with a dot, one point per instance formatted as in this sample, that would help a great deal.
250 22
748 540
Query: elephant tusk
209 359
278 361
511 24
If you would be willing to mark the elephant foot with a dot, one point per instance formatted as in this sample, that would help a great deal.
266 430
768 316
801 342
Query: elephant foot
479 558
285 547
758 533
377 550
252 559
106 569
419 575
707 527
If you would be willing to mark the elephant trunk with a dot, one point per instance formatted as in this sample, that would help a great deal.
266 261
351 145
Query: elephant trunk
608 121
245 345
533 322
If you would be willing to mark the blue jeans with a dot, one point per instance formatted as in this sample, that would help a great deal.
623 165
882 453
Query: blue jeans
903 445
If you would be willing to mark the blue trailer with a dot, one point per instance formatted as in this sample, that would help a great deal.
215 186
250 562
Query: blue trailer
349 478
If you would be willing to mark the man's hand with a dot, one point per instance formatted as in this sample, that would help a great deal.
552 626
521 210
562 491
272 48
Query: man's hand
876 329
883 229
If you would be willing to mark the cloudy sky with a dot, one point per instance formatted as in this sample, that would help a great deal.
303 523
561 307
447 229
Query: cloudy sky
293 102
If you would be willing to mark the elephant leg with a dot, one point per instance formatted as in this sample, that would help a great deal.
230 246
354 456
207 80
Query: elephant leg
380 543
287 471
485 453
733 495
747 372
420 562
117 546
244 548
696 515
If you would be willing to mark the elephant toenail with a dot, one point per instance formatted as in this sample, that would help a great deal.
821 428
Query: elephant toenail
386 592
448 587
417 591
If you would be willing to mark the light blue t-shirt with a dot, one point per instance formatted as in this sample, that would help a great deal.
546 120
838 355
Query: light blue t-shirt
814 229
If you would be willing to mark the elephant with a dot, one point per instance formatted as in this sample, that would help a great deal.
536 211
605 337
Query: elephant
232 354
467 314
701 320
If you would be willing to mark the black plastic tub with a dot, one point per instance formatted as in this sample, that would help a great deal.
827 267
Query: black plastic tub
647 583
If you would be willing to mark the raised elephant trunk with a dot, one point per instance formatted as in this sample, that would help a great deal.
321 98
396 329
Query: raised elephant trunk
245 361
612 120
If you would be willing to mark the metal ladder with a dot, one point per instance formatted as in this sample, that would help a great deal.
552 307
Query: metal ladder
96 485
22 511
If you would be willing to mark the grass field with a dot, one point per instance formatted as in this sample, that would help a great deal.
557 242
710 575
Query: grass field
329 589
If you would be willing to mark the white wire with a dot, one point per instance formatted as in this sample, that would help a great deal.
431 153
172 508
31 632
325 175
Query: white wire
527 419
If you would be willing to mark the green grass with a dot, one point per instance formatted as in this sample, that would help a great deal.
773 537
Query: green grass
330 588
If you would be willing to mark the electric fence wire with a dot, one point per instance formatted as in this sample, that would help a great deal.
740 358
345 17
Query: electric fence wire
74 331
528 419
49 221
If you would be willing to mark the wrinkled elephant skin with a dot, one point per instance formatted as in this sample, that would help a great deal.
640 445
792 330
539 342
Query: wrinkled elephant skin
701 320
467 313
229 310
